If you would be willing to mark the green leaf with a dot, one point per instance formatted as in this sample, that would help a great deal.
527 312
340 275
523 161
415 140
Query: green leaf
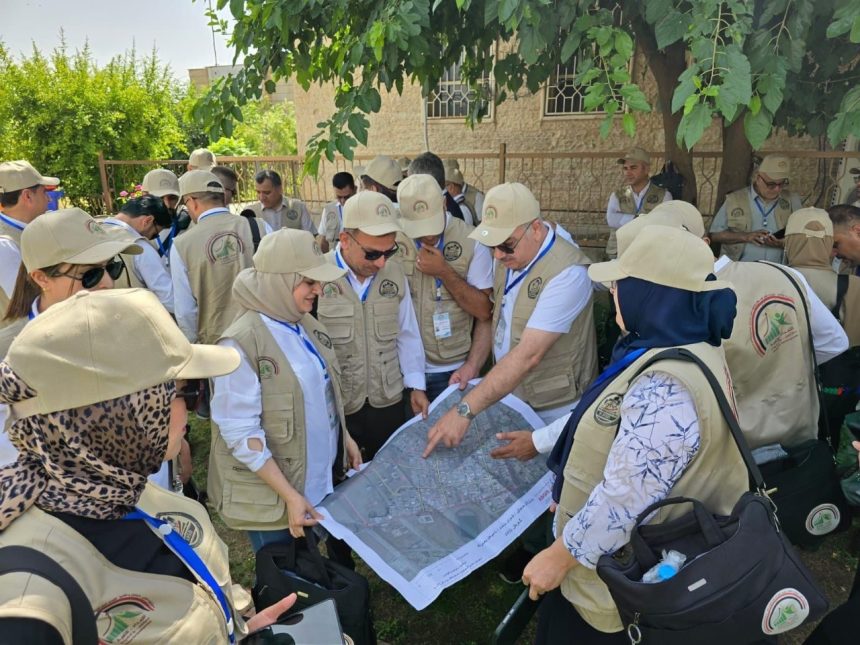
634 98
736 88
227 127
671 28
271 86
374 100
237 8
623 44
358 126
684 89
755 104
345 144
605 126
629 123
570 46
854 36
757 127
691 102
506 9
695 124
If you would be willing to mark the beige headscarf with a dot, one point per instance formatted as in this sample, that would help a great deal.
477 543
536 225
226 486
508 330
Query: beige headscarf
269 293
809 239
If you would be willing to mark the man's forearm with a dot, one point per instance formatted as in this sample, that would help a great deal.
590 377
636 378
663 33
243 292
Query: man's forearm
503 379
473 301
730 237
482 341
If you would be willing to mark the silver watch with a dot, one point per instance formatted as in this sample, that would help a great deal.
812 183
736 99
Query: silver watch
465 411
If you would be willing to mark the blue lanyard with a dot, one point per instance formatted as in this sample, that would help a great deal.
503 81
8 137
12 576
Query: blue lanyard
764 215
189 557
11 222
339 263
522 275
340 211
615 368
440 244
164 249
639 203
308 344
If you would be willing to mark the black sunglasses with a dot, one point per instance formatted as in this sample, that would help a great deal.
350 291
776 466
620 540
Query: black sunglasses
773 184
508 249
371 255
91 277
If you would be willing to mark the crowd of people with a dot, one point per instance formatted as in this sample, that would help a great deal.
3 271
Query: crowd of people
309 345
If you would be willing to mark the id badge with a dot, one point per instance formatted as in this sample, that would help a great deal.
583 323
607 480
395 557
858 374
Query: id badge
331 405
442 325
499 338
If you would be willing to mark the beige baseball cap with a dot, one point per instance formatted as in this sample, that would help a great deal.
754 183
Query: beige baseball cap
202 159
71 235
422 207
199 181
384 170
290 250
403 162
630 231
18 175
809 222
776 167
506 206
70 353
452 172
664 255
371 212
160 182
690 217
636 154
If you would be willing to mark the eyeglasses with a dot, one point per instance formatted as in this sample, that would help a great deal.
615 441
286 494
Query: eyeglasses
773 184
371 255
91 277
508 249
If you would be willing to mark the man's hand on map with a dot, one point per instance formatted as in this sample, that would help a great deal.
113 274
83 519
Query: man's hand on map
353 453
463 375
301 513
449 430
548 568
520 446
419 402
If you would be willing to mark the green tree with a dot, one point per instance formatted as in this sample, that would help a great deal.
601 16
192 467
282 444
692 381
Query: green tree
753 65
266 128
59 110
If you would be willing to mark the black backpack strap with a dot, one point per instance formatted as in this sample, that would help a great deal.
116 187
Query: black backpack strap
255 230
841 290
681 354
22 558
801 292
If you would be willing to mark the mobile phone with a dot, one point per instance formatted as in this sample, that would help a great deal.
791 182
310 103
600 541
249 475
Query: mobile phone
314 625
780 234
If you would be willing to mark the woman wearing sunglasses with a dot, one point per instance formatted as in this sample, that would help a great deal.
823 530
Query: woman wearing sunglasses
62 253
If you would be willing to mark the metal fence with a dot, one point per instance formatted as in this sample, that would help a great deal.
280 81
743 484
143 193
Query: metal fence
572 187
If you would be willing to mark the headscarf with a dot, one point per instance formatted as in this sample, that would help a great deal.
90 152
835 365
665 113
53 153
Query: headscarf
807 252
91 461
654 316
268 293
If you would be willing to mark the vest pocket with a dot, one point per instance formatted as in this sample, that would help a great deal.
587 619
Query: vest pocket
543 390
339 322
248 498
392 377
278 417
385 320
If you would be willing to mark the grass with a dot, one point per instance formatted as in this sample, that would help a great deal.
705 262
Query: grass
468 612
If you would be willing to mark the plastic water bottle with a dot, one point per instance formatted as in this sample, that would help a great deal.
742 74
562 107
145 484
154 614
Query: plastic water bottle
667 567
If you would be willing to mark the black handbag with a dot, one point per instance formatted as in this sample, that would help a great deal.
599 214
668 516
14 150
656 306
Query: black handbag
742 581
299 567
805 486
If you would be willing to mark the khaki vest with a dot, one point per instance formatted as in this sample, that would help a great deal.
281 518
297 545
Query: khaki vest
739 217
129 606
289 215
240 496
627 204
10 332
458 251
716 476
571 363
214 252
824 284
471 197
331 217
13 234
770 358
364 335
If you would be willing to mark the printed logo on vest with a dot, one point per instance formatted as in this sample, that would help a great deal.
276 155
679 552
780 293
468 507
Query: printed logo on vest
823 519
224 248
388 289
323 338
652 199
534 288
293 214
267 367
123 618
452 251
738 213
402 251
331 290
772 322
95 227
184 524
608 411
784 204
786 610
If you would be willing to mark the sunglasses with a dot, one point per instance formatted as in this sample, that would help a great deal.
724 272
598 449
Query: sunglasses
91 277
773 184
508 249
371 255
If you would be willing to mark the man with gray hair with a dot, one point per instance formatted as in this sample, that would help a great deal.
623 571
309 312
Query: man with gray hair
277 209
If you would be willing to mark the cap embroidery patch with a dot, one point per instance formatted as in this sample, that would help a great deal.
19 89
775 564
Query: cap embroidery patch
165 183
490 213
383 211
95 227
323 338
452 251
388 289
267 367
420 207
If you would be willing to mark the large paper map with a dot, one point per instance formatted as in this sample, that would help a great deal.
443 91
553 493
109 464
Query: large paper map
424 524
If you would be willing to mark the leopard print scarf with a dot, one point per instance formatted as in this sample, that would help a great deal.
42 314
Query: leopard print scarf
91 461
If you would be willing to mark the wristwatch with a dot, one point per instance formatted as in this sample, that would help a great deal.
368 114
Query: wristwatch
463 410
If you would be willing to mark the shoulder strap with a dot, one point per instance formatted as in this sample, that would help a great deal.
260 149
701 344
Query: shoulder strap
255 231
22 558
681 354
841 290
801 292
